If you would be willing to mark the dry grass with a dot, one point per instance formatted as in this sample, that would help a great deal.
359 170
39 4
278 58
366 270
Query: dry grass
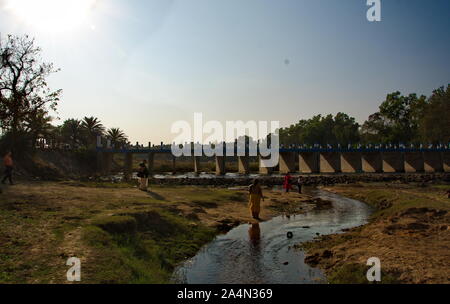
45 223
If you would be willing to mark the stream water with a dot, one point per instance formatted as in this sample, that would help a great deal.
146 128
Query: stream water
263 254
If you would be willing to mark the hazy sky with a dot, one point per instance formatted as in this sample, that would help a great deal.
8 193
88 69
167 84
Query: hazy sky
141 65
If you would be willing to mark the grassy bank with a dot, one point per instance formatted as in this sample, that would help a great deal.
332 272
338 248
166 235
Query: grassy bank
409 232
120 234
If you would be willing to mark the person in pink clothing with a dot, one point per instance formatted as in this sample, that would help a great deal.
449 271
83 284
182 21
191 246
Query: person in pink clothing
287 183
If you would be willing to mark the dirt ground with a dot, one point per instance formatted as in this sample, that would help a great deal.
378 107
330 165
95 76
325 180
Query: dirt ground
409 233
43 223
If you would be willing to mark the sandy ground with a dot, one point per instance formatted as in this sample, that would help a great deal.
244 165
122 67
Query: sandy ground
412 240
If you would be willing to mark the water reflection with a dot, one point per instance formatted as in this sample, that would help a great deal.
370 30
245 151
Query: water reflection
261 253
254 234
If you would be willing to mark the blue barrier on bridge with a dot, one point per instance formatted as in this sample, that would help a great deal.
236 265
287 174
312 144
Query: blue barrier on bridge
286 150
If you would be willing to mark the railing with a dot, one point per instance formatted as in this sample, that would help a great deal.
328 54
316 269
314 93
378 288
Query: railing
164 148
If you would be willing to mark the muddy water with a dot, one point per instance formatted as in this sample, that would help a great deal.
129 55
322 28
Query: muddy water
263 254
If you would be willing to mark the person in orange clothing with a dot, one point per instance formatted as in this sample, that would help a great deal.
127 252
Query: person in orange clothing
256 195
8 163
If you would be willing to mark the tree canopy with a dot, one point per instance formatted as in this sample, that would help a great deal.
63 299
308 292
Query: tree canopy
400 119
340 129
24 92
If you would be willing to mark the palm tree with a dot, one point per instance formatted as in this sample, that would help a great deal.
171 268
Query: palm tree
38 125
116 136
72 131
93 128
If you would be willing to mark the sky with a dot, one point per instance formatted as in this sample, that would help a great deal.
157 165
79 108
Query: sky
143 65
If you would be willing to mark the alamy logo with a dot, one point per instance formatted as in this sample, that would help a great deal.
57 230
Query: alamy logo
374 12
374 273
74 273
221 140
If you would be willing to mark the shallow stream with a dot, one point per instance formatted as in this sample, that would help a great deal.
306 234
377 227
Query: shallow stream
263 254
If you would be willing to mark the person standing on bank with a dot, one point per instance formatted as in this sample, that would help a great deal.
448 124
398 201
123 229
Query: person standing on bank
299 184
143 176
256 195
8 163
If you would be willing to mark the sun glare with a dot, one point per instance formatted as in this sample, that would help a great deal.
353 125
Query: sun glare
52 15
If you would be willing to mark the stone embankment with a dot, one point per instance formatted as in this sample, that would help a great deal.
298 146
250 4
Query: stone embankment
307 180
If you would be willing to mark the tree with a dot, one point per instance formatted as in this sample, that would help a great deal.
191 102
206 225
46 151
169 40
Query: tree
346 129
38 125
116 136
341 129
397 120
435 122
72 132
92 128
23 87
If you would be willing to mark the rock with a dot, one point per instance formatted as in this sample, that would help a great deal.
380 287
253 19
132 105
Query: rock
417 226
192 216
312 260
327 254
226 225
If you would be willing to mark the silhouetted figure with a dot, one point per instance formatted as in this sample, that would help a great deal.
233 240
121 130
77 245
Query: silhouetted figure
8 163
256 195
143 176
299 184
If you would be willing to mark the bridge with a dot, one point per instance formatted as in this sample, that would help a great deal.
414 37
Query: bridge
313 159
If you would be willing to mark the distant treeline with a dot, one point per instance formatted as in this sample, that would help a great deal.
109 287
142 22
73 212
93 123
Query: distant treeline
400 119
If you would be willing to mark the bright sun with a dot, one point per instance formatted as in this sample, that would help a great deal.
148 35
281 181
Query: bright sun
52 15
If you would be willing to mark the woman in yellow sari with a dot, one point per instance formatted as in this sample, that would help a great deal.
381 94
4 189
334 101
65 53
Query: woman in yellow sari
256 195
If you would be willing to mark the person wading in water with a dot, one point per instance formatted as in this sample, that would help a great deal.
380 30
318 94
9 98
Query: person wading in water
143 176
256 195
8 163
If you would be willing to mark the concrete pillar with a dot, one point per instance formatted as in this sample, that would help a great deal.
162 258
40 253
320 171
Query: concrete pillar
100 163
128 166
351 162
151 162
287 162
174 165
393 162
372 162
414 162
104 162
433 162
244 165
264 170
196 164
330 162
107 163
220 165
446 161
309 162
